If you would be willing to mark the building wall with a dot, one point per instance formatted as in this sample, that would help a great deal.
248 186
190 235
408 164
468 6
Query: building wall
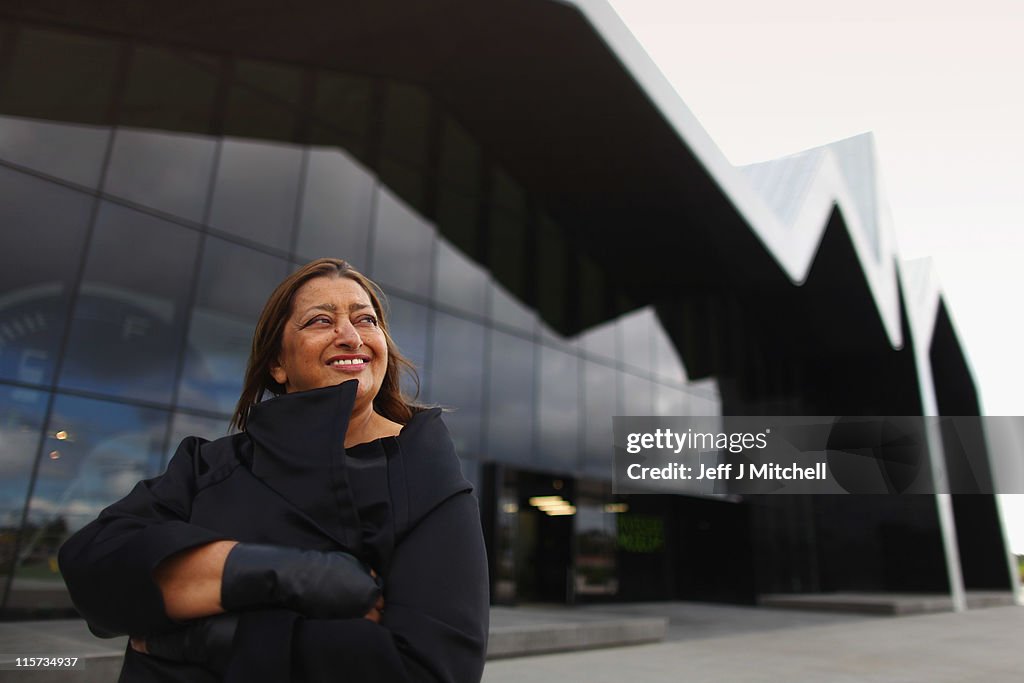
150 199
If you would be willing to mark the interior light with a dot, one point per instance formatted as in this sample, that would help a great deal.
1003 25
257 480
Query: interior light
54 455
537 501
61 435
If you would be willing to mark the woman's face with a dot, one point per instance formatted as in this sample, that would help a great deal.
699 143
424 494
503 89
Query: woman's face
332 335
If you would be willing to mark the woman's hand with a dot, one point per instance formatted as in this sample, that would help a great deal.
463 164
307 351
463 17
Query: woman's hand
206 642
376 612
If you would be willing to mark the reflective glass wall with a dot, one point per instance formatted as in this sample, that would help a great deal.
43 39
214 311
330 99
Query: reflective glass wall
150 199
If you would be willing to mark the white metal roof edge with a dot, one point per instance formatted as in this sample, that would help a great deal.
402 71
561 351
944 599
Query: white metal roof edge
792 246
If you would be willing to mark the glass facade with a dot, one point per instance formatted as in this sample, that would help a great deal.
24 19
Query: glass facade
140 234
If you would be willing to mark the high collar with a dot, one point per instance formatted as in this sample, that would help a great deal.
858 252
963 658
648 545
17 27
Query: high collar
299 451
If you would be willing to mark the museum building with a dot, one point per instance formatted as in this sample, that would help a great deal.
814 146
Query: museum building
559 240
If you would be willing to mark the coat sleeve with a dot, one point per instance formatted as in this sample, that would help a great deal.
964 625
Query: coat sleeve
108 564
435 613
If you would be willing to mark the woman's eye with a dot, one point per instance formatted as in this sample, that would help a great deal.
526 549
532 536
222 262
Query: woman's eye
368 320
319 320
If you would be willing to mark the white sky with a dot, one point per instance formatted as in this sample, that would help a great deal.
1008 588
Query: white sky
939 84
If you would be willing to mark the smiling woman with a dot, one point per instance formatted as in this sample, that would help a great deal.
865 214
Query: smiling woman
334 532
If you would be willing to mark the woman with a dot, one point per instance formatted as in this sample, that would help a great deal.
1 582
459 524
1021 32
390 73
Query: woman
332 538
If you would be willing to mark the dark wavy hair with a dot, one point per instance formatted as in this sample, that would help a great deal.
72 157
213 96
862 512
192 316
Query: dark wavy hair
266 345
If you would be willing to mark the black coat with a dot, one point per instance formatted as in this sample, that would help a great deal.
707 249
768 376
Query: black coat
399 503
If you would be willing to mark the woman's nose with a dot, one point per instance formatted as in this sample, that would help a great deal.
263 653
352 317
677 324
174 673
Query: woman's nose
346 334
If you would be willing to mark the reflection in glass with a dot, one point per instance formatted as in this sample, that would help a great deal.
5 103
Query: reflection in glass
256 191
335 212
637 395
600 404
402 246
94 453
185 424
234 283
43 146
510 399
669 401
704 397
21 423
558 407
459 282
35 283
508 310
595 565
127 327
456 377
165 171
637 329
602 340
408 324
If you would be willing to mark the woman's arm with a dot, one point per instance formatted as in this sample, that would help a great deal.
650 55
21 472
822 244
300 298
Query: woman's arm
190 581
110 564
434 626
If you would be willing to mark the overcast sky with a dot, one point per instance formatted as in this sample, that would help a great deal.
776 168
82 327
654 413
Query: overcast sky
938 83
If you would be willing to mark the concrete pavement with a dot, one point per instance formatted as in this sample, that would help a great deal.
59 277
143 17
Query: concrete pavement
788 647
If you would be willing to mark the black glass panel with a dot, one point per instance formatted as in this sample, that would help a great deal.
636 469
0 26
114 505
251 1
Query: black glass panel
507 251
511 399
403 246
460 158
552 265
78 73
256 191
458 217
165 171
341 108
558 407
336 203
263 100
170 90
130 315
406 116
234 283
46 147
456 377
42 234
